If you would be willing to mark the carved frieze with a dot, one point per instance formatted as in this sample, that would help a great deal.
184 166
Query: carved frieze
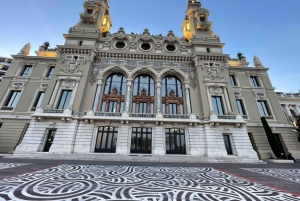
213 74
72 67
216 89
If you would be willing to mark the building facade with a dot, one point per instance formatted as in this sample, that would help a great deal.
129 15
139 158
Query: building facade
124 94
4 65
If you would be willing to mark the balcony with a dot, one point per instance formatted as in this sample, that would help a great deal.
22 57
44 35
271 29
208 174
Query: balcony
226 117
4 64
65 115
176 116
140 117
5 108
137 115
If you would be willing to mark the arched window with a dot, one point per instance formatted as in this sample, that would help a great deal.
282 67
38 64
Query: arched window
172 97
143 95
114 93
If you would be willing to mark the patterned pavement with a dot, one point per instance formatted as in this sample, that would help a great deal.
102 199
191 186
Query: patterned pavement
11 165
288 174
100 182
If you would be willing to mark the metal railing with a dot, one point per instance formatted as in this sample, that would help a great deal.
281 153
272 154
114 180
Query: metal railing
143 115
226 117
7 108
176 116
107 114
51 111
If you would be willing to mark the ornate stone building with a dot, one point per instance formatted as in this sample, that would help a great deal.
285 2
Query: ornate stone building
4 65
120 94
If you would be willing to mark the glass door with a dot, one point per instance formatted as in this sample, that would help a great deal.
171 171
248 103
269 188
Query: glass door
141 140
175 141
106 140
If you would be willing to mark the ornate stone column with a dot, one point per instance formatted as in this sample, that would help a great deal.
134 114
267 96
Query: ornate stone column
158 96
188 101
54 94
297 109
97 97
73 94
227 101
287 110
129 83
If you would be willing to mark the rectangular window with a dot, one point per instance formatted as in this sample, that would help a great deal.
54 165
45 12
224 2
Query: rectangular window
12 99
38 101
254 81
26 71
217 104
64 99
1 125
240 106
50 72
143 108
263 108
232 80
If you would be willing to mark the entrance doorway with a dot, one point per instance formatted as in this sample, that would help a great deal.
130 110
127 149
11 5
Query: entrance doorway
277 136
106 139
49 139
141 140
175 141
227 143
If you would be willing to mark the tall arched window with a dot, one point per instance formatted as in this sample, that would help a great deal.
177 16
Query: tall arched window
172 97
143 95
114 93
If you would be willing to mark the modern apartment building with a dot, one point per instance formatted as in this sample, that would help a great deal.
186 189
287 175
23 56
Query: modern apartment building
126 94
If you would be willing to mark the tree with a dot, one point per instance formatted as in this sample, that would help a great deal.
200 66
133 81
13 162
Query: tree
271 138
240 56
46 45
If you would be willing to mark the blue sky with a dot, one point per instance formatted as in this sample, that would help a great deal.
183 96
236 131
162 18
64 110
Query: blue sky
268 29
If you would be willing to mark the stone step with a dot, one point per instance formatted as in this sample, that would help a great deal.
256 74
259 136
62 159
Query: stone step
137 158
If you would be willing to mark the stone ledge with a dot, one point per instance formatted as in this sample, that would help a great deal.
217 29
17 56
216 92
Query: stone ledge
278 161
137 158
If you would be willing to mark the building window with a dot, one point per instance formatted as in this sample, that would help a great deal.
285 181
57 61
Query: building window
141 140
26 71
113 95
12 100
217 104
1 125
143 95
64 99
175 141
254 81
241 108
227 143
38 101
232 80
172 96
50 72
263 108
106 139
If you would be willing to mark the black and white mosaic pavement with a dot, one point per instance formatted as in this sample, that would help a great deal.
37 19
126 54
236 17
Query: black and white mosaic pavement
96 182
11 165
288 174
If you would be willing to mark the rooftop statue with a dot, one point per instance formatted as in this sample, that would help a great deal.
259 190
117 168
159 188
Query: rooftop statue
25 50
257 62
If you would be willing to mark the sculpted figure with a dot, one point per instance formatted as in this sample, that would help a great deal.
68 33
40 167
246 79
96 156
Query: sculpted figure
257 62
